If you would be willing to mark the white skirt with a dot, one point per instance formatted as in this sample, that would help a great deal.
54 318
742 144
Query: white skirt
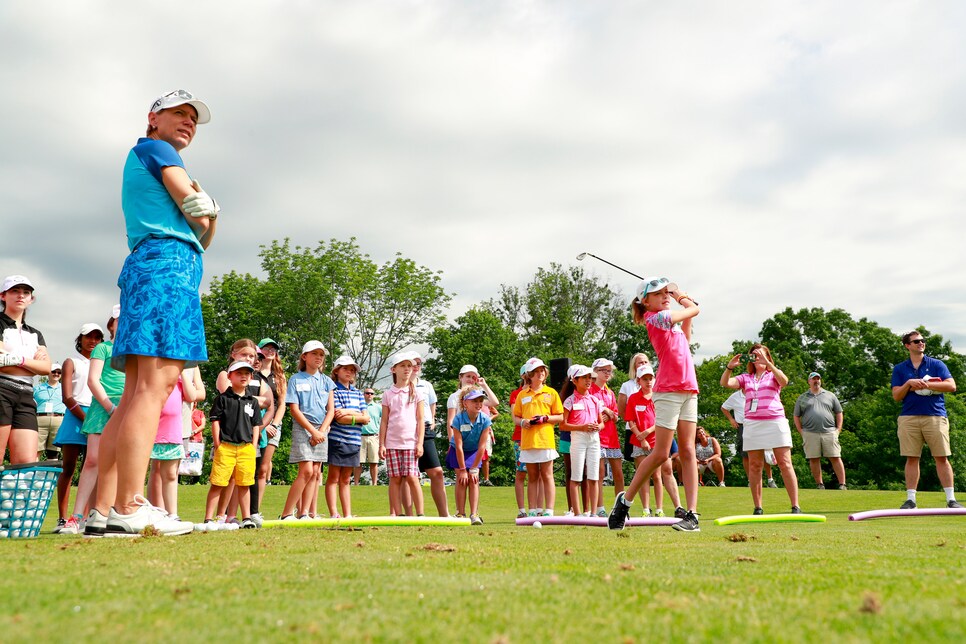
766 434
538 455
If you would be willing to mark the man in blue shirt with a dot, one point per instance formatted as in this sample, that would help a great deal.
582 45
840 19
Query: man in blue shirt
50 412
920 384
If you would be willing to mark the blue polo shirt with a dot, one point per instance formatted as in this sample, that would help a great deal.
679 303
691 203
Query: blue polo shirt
311 393
470 432
48 399
914 404
149 210
351 399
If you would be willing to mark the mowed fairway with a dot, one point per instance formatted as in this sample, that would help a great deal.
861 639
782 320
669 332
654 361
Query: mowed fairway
877 580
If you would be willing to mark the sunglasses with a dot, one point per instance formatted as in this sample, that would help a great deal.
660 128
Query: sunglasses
55 373
919 341
180 93
369 393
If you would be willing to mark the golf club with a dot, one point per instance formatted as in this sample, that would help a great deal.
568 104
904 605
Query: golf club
581 257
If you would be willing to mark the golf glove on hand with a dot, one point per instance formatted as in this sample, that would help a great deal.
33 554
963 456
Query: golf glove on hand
11 360
200 204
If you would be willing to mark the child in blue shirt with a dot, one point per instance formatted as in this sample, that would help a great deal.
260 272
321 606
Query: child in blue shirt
471 429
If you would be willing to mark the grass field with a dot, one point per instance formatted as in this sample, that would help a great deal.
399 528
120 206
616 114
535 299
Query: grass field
877 580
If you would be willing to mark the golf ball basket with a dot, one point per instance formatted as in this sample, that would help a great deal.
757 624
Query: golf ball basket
25 494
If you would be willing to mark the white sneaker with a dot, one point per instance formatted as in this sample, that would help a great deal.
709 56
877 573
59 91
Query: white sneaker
258 519
569 513
131 525
722 484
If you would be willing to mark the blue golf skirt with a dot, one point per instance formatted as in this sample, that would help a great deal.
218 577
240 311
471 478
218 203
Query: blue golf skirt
160 304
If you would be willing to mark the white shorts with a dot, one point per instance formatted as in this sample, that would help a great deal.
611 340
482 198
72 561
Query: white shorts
674 406
766 434
584 456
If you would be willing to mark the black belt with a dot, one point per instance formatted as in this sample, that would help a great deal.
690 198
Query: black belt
15 384
49 414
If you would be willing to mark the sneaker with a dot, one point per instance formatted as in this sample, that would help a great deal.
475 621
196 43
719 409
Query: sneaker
688 524
71 526
722 484
586 514
602 512
820 486
234 520
569 513
547 513
680 513
486 483
60 525
522 514
258 519
771 483
131 525
908 505
758 512
796 509
288 517
954 505
248 524
460 515
95 525
646 513
843 486
659 513
618 515
532 513
475 519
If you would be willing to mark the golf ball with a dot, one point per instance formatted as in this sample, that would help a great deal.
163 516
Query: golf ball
15 524
3 534
33 504
537 524
17 514
6 505
39 485
4 515
8 484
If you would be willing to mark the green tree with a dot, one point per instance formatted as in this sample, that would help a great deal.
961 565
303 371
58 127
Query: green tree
333 293
567 312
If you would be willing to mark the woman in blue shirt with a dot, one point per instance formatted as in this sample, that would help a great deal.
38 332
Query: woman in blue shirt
170 222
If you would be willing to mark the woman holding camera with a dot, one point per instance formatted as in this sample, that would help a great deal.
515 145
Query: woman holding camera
765 424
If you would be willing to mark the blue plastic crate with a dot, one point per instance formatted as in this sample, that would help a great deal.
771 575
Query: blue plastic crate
25 494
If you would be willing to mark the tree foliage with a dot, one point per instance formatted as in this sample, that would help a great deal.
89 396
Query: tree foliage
333 293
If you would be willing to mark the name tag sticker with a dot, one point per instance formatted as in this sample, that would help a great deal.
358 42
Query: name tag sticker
578 406
466 428
546 398
527 400
303 386
641 408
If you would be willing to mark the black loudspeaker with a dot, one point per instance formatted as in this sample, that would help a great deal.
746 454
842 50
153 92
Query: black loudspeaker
558 372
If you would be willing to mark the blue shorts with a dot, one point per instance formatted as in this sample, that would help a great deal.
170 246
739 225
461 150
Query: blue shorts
469 458
674 447
69 432
342 454
160 304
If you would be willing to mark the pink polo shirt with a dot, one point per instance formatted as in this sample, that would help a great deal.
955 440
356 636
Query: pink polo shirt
608 435
675 366
582 409
768 393
400 414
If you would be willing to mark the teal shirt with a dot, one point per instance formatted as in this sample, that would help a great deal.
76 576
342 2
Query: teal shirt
375 417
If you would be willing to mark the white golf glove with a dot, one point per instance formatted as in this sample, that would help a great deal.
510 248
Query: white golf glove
11 360
200 204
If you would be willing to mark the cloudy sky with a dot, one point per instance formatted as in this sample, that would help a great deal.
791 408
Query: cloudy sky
761 154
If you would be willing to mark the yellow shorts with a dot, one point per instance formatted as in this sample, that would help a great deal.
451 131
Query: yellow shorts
229 458
916 430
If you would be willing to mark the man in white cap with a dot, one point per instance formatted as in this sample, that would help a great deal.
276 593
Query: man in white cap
50 412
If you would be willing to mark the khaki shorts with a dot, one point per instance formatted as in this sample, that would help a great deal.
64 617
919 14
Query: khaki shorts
233 459
369 452
916 430
671 407
819 444
47 427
